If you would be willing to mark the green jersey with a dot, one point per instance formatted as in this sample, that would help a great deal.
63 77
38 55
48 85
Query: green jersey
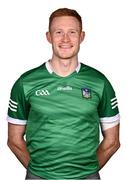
62 117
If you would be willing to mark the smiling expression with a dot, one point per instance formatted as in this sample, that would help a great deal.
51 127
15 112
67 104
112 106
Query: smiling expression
65 36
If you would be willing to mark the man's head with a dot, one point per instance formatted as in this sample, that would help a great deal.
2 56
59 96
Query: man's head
65 33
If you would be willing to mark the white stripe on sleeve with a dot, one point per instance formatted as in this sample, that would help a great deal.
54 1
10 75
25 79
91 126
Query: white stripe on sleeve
13 102
12 109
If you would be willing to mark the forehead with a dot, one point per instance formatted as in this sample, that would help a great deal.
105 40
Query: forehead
65 22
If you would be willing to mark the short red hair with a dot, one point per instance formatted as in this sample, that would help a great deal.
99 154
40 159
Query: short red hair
65 12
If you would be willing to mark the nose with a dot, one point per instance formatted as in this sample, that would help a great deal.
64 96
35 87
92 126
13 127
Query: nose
65 38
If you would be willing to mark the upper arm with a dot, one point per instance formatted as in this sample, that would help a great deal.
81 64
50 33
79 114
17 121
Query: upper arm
112 134
15 132
111 138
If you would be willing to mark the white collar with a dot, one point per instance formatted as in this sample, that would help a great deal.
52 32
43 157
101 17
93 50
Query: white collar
48 67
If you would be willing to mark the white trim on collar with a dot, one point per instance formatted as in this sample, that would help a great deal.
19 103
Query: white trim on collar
78 67
48 67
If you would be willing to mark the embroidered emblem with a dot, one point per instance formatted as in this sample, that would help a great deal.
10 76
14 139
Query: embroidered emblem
86 92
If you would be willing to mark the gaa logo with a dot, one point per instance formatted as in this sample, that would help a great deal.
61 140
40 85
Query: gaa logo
42 92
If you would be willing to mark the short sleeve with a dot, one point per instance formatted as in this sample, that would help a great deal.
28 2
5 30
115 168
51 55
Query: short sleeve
108 107
18 109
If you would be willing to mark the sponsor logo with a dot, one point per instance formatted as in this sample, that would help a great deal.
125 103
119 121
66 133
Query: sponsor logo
64 88
86 92
42 92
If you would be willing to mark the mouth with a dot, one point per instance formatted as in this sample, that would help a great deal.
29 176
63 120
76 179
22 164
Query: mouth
65 46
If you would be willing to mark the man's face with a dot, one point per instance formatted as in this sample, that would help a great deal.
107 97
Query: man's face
65 36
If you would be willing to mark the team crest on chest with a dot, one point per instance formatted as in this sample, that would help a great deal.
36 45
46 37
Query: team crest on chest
86 92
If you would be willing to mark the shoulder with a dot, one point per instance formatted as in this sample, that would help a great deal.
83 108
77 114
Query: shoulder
30 76
33 72
92 72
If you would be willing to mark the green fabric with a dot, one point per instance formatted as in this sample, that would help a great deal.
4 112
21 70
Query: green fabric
62 131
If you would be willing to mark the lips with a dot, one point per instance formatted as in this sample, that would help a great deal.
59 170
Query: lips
65 46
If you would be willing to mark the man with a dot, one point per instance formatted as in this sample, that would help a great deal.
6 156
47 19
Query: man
59 106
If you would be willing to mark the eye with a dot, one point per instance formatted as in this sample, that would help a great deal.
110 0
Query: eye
58 32
73 32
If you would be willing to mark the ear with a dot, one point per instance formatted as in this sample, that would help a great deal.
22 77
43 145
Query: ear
82 36
48 36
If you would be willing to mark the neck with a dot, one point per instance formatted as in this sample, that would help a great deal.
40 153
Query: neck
63 67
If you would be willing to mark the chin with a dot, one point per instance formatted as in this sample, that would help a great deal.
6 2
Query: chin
66 56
